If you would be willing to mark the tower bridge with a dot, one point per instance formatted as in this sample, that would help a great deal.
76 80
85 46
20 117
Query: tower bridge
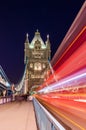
36 59
60 99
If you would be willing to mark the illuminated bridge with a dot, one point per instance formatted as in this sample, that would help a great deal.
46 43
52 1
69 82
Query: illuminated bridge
5 84
60 102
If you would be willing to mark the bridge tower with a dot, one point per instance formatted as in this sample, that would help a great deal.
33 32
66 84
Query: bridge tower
36 58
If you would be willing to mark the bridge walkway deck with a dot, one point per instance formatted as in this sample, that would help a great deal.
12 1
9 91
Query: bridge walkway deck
17 115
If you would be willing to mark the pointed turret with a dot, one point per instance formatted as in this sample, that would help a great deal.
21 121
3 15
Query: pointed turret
48 42
26 49
48 46
27 40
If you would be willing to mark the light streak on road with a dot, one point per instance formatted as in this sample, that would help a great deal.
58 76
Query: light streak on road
65 83
69 111
79 39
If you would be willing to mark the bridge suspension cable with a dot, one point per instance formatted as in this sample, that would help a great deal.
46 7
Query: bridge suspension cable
52 71
20 85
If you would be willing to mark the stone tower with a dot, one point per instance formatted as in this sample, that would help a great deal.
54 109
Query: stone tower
36 59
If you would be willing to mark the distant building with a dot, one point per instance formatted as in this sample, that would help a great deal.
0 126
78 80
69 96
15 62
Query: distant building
36 59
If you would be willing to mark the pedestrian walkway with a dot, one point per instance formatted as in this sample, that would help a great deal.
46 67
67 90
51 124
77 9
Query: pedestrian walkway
17 116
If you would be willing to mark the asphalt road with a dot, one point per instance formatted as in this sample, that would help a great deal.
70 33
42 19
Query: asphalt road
67 112
17 116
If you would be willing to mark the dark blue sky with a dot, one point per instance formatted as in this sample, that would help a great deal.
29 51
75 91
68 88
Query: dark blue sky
20 17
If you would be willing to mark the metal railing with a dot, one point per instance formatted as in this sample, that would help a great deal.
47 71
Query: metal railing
45 120
4 100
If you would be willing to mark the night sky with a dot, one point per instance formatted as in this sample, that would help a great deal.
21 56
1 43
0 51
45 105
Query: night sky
53 17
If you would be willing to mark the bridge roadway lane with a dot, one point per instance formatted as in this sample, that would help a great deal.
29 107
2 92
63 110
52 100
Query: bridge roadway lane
17 116
67 112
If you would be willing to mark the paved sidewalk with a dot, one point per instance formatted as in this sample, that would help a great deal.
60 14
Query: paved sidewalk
17 116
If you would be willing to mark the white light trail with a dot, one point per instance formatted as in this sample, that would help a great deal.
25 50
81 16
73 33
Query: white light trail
61 84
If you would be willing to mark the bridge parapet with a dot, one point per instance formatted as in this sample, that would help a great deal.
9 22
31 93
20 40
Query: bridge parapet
7 99
45 120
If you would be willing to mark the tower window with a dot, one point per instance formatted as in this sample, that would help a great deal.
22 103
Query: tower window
37 66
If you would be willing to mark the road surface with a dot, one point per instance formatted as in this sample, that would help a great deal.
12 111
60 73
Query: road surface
67 112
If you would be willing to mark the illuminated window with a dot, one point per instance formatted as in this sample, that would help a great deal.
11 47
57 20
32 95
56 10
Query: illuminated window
37 66
43 66
31 65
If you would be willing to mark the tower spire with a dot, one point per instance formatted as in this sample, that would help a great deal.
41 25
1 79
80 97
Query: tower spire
48 38
27 40
48 41
37 32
